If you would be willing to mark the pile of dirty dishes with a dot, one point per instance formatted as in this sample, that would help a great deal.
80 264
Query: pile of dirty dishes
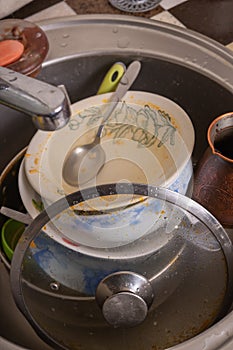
148 139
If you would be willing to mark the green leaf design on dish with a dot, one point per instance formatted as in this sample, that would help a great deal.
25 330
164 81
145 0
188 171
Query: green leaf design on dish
145 125
38 205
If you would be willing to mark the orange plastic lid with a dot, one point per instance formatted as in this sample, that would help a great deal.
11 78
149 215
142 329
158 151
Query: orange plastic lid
34 41
10 51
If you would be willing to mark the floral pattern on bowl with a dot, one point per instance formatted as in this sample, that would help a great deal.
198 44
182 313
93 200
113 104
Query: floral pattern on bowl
148 139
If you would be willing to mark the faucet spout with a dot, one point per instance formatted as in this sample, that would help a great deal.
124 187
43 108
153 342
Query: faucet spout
48 105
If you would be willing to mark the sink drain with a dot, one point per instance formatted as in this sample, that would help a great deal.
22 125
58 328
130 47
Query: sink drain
135 5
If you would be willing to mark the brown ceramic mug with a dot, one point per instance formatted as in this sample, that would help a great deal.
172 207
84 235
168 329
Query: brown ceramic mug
213 180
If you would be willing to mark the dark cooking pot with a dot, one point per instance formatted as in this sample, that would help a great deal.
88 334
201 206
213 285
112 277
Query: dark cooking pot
188 68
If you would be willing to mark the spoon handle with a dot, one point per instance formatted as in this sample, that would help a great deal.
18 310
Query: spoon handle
16 215
125 83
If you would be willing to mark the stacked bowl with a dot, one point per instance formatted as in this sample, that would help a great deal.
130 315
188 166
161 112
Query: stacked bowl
148 139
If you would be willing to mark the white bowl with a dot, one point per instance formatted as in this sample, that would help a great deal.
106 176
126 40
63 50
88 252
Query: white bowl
34 204
148 139
155 148
107 230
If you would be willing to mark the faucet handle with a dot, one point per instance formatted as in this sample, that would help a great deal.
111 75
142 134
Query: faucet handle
48 105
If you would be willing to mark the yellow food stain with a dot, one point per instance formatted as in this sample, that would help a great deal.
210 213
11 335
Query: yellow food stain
146 204
33 171
108 133
32 244
151 105
27 155
79 205
74 113
119 142
92 155
36 161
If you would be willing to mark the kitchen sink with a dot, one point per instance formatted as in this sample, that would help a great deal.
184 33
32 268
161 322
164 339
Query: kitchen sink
192 70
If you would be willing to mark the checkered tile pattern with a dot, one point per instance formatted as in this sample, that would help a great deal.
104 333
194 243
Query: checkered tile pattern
211 18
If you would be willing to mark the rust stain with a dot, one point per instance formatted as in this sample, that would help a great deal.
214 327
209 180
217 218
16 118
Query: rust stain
119 142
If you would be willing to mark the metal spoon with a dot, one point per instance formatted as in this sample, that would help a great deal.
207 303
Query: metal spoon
83 163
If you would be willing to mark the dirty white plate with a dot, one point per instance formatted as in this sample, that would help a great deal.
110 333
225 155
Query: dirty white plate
148 139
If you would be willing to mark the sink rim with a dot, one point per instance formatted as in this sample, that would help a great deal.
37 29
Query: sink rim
121 29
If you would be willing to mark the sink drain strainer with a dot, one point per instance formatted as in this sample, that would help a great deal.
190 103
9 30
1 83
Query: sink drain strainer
135 5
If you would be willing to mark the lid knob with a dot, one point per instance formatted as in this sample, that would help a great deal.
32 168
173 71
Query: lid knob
125 298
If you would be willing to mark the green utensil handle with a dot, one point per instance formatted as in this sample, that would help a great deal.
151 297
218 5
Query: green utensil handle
112 78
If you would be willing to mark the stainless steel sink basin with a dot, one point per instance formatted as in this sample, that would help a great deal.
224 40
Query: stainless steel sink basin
194 71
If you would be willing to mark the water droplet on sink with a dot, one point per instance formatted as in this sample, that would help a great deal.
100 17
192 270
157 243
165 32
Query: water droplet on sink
12 79
123 42
66 35
115 30
63 44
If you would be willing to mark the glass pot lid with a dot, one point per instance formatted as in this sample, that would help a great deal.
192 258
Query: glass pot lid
163 287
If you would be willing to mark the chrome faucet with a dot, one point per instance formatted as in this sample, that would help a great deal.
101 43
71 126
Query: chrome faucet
48 105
